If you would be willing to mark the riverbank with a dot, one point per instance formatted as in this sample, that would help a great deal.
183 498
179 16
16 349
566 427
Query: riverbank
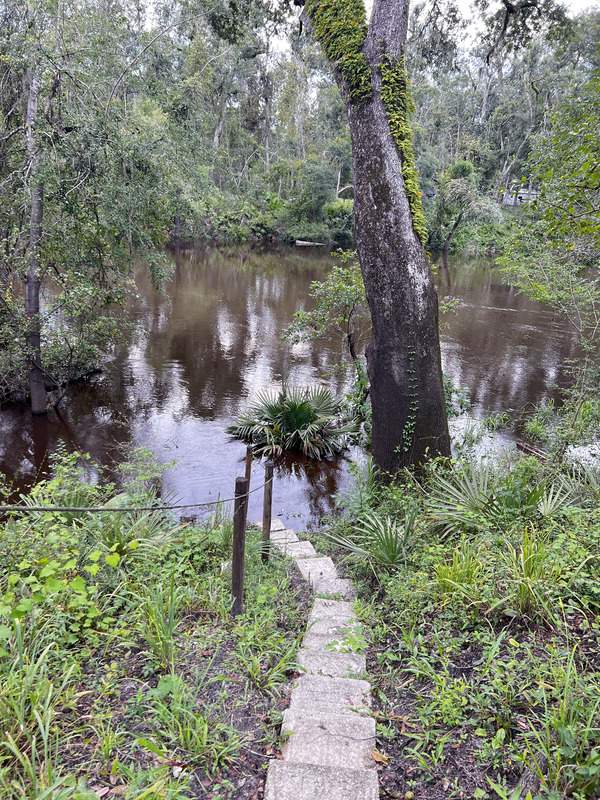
484 651
122 673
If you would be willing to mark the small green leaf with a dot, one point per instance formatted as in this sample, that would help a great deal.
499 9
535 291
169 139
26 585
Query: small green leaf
113 559
77 584
150 746
5 632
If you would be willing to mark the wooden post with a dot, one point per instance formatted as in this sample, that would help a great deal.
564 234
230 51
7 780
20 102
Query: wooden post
249 452
239 545
267 509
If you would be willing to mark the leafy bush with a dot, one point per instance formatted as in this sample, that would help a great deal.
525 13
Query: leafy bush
475 495
384 543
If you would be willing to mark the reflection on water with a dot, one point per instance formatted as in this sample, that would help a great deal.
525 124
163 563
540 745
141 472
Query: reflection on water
507 350
212 340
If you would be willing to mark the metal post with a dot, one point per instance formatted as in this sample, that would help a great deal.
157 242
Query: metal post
239 545
267 510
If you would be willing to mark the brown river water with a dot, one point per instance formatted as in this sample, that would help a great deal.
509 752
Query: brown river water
211 341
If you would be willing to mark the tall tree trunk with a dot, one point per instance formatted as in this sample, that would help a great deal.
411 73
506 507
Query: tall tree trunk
37 389
403 358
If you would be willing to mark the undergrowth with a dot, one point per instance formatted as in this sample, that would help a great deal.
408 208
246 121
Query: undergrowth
485 634
121 671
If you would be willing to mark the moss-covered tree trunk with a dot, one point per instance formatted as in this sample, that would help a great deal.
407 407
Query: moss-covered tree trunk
403 359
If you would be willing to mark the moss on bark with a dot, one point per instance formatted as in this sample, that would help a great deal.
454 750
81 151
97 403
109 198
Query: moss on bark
341 27
398 104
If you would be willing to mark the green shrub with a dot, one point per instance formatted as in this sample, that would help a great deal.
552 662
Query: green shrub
382 542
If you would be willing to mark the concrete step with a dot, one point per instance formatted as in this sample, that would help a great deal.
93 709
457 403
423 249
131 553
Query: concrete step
336 695
290 781
283 538
316 569
336 626
344 640
335 665
334 586
335 740
323 609
296 549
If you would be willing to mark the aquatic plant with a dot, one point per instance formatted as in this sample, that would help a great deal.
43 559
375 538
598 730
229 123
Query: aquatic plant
305 420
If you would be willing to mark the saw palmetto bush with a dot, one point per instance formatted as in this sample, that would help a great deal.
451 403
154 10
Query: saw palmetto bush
383 542
305 420
472 496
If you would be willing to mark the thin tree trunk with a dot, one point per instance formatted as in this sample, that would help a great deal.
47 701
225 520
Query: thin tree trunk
267 134
217 141
37 389
448 238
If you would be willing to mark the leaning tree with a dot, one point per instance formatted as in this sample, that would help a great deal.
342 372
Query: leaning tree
403 358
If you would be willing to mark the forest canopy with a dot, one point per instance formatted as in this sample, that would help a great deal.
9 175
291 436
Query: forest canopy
126 126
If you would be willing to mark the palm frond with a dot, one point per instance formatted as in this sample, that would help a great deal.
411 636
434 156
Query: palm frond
297 419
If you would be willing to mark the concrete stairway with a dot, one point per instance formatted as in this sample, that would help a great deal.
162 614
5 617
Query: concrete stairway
331 732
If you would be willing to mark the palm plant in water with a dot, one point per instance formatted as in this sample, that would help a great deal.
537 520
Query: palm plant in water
305 420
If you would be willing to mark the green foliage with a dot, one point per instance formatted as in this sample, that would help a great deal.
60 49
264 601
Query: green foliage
382 542
341 27
566 739
566 163
358 404
553 257
398 104
474 640
160 671
457 397
476 495
304 420
341 307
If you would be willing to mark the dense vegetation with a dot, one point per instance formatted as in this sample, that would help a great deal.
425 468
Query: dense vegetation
479 586
121 672
111 683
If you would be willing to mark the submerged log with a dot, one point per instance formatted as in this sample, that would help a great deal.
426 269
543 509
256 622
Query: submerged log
301 243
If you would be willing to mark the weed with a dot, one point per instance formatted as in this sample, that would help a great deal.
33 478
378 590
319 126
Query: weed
179 723
158 621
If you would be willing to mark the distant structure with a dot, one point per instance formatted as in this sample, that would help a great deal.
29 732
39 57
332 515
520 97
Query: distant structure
518 195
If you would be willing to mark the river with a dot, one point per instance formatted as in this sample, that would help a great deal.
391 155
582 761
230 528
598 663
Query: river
212 339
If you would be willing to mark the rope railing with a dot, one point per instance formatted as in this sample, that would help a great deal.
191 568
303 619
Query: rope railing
110 510
240 499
